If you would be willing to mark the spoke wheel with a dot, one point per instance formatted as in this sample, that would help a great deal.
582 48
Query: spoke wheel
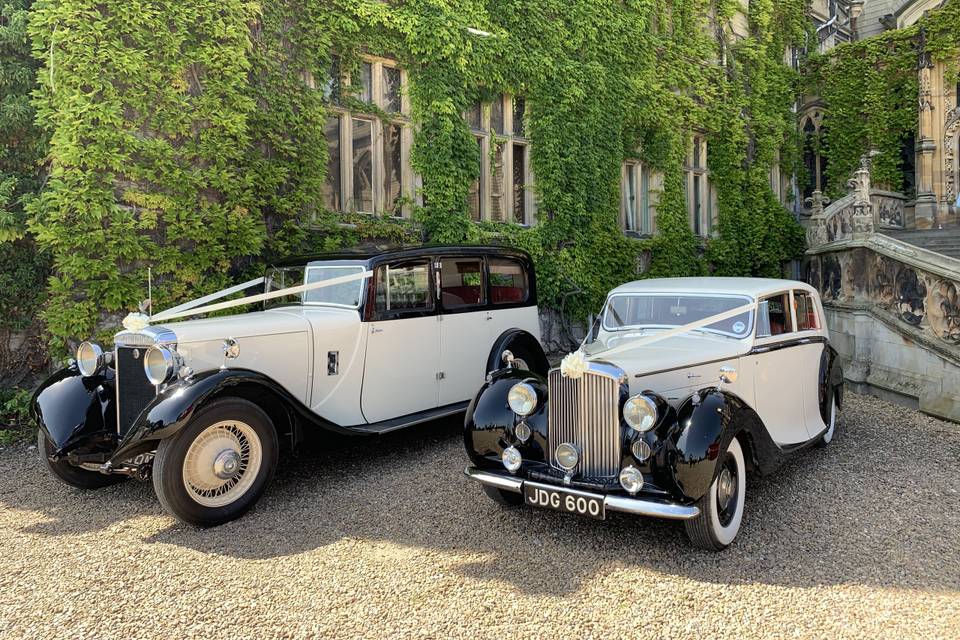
222 463
218 465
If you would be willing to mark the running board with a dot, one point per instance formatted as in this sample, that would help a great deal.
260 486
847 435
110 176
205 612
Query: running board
393 424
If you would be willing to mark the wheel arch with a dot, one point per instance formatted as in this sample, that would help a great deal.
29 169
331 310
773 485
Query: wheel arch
707 428
518 338
830 380
176 405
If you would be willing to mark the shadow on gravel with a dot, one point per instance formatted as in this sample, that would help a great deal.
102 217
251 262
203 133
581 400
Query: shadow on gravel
879 507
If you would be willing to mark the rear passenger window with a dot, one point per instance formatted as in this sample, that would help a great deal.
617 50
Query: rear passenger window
404 287
806 311
775 318
508 281
461 282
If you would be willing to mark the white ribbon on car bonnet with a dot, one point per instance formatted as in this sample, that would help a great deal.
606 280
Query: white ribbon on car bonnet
191 308
573 364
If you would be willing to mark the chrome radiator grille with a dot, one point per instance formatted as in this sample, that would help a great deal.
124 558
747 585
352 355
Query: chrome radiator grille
585 413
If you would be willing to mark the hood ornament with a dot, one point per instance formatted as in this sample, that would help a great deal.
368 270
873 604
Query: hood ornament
574 365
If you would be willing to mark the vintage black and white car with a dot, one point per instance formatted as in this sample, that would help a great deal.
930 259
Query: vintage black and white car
682 387
354 344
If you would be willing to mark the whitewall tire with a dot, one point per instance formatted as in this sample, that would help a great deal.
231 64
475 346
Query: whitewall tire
827 437
218 465
721 508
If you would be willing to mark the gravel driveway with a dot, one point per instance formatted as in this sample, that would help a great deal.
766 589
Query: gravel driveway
386 538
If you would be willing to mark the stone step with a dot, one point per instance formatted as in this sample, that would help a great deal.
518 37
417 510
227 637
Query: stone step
943 241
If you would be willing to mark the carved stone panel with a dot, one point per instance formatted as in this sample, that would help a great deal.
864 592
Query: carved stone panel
916 297
889 212
944 313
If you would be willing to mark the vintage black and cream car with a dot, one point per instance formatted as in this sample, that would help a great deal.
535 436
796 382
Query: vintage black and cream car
682 386
354 344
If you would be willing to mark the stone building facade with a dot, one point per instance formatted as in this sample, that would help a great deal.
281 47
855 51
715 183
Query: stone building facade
932 174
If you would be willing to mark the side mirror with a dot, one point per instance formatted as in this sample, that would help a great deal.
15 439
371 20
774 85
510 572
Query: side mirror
763 320
728 375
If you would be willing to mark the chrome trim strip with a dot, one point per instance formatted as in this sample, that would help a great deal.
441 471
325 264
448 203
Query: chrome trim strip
636 506
116 382
146 337
666 510
493 480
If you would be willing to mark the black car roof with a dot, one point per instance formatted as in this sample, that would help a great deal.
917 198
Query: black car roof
375 257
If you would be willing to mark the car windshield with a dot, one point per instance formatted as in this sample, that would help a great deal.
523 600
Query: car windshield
641 313
347 294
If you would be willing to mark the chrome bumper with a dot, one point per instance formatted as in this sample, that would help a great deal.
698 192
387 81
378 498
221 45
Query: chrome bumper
635 506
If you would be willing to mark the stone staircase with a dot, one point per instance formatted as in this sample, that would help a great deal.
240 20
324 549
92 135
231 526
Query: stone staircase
942 241
891 295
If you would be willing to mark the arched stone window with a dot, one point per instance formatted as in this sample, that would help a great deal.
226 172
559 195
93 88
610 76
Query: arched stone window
812 128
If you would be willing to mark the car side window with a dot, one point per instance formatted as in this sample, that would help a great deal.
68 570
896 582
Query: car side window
404 287
774 317
806 310
508 281
461 282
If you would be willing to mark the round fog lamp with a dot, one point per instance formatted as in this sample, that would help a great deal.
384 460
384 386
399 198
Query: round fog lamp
631 479
90 358
522 399
640 413
567 456
511 459
640 450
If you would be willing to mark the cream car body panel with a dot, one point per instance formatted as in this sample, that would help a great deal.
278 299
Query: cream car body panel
403 358
779 383
339 347
277 342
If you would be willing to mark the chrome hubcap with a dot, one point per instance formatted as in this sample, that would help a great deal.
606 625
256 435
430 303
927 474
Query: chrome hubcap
227 464
726 487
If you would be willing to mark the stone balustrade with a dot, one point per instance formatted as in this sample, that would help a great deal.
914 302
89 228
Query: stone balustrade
893 308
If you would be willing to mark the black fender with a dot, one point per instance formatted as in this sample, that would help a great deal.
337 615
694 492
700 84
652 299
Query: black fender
707 422
489 422
514 339
830 382
175 406
76 412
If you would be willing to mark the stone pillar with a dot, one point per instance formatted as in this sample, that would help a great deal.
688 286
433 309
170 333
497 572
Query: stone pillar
926 207
817 229
862 218
859 368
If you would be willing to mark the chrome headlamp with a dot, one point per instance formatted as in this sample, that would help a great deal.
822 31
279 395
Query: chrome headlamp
90 358
640 412
522 399
160 364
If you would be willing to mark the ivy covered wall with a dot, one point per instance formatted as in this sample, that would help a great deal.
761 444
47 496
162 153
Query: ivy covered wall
187 137
23 269
870 88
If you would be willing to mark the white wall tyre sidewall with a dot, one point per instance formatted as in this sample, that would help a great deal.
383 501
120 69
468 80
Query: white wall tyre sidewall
831 430
724 535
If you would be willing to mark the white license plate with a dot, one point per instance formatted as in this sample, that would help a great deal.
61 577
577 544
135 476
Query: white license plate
566 500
